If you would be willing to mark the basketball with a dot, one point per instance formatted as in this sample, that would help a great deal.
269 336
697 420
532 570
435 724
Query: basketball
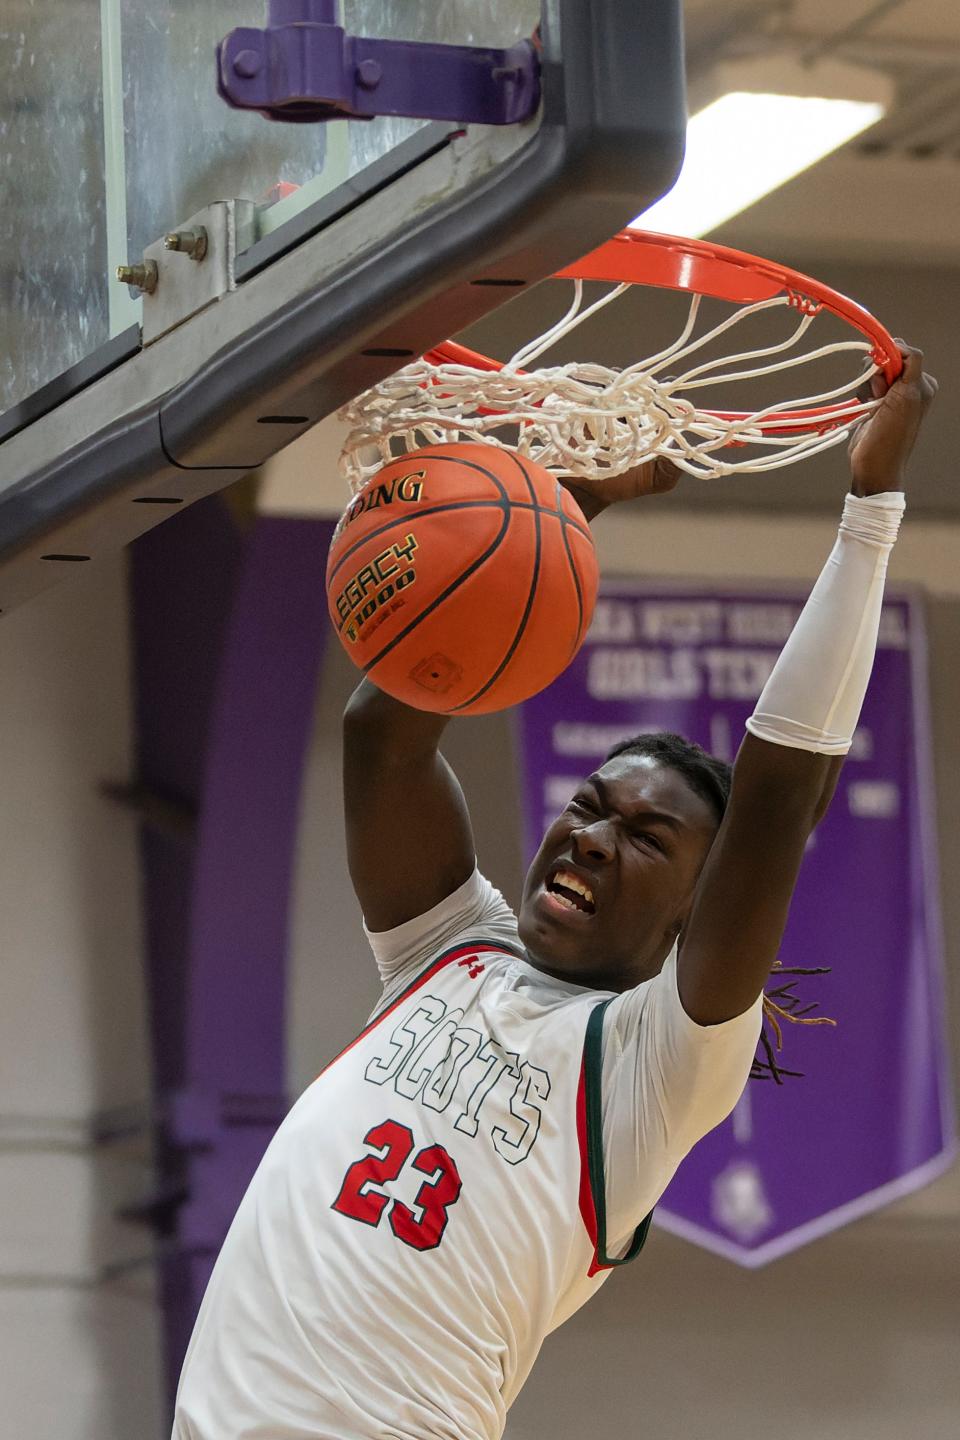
462 578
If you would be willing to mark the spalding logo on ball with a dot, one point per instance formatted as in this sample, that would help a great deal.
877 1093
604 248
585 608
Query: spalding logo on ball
462 578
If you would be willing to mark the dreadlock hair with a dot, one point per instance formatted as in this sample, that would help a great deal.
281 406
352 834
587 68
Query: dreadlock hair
711 778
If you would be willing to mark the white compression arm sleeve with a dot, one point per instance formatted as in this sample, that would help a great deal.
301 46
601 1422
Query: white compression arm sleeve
813 697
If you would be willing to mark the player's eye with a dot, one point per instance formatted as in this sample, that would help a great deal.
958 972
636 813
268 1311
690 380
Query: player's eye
644 839
584 805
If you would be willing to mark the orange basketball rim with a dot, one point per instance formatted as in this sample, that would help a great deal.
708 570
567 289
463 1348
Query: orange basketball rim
671 262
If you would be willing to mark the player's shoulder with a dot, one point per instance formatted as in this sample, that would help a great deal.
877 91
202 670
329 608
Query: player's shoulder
475 914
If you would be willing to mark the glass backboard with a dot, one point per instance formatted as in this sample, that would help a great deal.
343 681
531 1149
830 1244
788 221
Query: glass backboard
352 244
114 130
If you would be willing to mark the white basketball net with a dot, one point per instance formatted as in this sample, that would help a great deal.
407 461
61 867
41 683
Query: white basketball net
590 421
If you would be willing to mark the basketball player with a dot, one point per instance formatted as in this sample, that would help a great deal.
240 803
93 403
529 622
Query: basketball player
464 1176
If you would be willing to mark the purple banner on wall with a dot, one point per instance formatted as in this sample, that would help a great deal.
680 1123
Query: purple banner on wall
871 1120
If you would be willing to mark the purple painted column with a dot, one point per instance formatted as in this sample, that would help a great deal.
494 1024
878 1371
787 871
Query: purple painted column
229 637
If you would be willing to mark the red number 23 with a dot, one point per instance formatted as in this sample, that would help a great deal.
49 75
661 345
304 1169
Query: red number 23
434 1197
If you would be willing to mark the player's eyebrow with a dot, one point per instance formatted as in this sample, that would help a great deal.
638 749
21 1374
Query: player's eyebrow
648 817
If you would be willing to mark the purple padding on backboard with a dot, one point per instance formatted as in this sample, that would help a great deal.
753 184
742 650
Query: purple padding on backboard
218 916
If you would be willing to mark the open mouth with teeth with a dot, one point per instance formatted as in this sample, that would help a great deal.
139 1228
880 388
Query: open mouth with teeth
571 892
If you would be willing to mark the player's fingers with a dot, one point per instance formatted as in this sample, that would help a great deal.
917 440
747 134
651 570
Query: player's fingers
666 476
874 386
879 385
912 371
910 385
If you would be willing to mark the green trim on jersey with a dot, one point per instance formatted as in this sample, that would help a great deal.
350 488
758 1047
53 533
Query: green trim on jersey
592 1066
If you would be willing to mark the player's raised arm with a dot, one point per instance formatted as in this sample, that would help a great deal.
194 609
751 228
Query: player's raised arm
409 841
803 725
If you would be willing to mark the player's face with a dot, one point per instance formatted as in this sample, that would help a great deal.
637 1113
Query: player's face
613 880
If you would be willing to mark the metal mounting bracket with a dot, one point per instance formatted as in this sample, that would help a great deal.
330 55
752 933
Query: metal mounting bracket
304 68
192 266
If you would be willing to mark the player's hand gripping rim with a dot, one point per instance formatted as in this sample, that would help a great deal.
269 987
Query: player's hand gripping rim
882 443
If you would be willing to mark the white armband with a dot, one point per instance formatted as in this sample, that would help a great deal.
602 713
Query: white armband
813 697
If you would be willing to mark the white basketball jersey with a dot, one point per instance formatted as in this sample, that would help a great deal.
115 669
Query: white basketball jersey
430 1209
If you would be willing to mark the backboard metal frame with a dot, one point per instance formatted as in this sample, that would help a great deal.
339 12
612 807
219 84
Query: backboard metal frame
376 273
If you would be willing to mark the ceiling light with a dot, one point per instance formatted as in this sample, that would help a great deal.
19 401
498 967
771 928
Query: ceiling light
757 126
